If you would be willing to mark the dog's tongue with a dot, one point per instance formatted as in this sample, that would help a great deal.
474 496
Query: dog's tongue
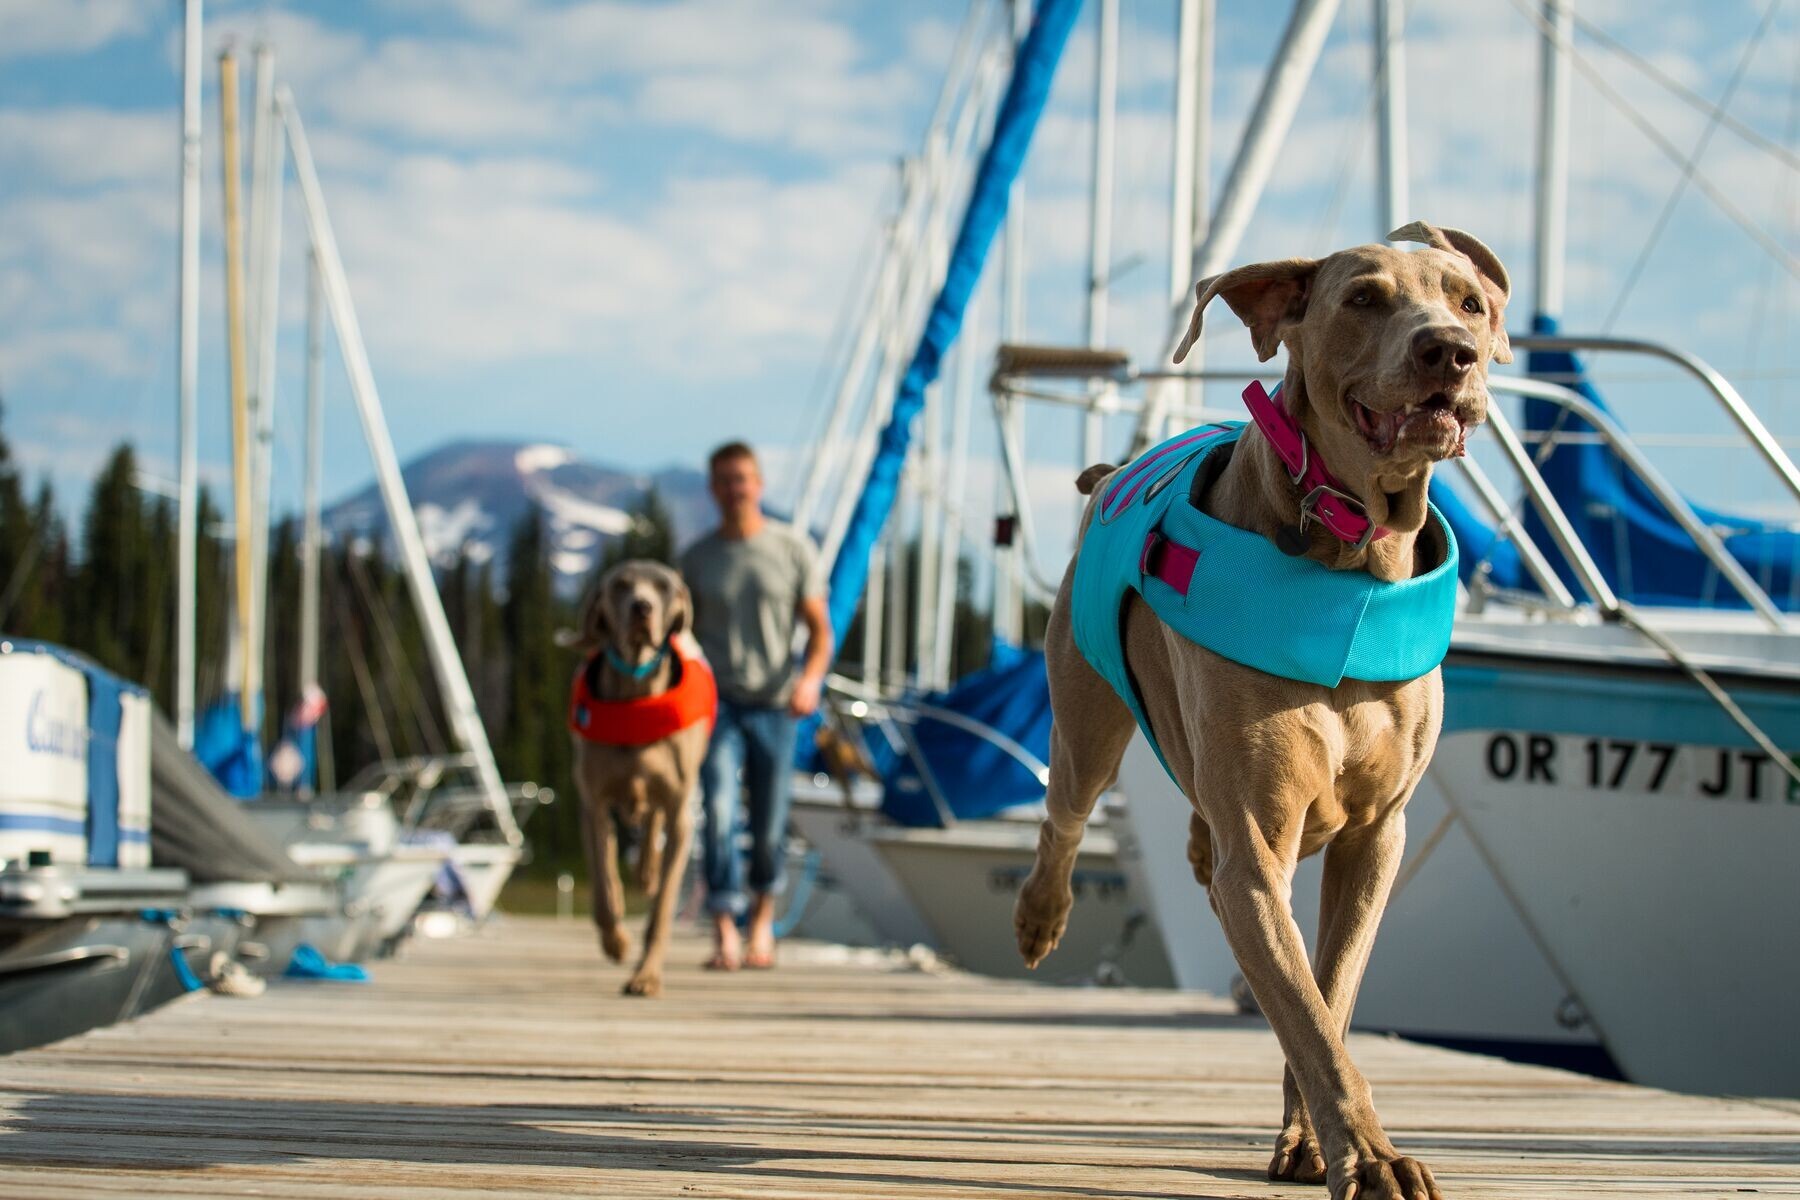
1382 429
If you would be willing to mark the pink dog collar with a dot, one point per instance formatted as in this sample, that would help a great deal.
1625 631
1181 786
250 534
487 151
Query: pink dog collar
1322 496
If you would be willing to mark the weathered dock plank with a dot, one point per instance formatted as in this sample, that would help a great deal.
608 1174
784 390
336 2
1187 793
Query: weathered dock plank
507 1065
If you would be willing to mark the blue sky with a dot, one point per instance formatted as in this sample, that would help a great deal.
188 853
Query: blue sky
629 227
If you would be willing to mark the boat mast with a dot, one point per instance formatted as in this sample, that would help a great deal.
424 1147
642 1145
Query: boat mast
1392 201
186 377
1009 583
242 504
1553 159
1100 215
315 453
1188 207
265 235
1264 133
453 682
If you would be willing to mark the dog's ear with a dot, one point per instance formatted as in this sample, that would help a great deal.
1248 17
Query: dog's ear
1267 297
1488 269
596 630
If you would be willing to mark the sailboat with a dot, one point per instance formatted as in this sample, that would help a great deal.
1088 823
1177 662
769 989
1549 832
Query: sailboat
1611 795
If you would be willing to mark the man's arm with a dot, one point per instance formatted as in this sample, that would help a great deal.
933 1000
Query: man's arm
807 688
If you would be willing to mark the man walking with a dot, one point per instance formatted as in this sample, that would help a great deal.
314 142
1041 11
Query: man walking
753 581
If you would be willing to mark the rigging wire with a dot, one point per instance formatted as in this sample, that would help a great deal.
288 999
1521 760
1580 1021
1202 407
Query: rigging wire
359 666
1770 245
388 643
1689 166
1777 150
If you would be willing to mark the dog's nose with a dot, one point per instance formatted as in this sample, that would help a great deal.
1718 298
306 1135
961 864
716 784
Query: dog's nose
640 607
1445 349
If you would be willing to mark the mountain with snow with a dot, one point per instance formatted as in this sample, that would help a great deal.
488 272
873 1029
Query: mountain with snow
471 496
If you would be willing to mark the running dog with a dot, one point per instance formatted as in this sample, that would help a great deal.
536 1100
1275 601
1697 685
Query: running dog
1311 749
640 712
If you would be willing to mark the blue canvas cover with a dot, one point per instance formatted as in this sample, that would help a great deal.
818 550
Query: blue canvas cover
1643 554
977 778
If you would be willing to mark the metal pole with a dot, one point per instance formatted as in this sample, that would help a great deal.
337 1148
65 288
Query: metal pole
266 238
1264 133
186 377
897 574
453 682
1188 199
1100 206
243 507
1553 155
956 483
1009 589
315 456
874 601
1390 87
964 67
932 517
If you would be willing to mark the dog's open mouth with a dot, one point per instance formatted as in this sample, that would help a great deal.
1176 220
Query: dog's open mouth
1433 423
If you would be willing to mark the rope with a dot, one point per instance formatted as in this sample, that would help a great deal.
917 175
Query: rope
1629 616
1689 166
1645 126
1688 95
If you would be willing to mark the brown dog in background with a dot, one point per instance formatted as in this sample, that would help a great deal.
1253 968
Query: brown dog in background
1387 373
636 610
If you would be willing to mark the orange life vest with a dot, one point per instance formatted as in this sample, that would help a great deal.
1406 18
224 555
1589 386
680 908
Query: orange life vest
692 698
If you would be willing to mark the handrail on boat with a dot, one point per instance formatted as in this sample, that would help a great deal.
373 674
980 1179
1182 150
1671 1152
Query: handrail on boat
908 711
1728 397
1672 500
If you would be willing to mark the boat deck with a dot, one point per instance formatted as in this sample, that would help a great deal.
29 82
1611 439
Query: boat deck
506 1065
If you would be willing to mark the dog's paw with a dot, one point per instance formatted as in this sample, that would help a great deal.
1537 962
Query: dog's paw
1297 1155
644 982
615 944
1385 1177
1039 918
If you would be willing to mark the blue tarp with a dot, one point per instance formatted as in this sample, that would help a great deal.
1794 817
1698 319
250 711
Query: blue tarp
976 778
1644 555
231 752
1033 71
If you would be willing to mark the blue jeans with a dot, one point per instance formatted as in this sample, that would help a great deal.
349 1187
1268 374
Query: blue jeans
755 745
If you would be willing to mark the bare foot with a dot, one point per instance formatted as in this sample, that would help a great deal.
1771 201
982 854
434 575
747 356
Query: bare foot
728 947
761 953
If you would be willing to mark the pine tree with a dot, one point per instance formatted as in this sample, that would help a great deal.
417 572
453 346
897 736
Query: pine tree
651 535
19 544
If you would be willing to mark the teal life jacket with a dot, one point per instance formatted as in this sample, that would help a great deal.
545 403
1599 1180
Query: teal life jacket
1235 593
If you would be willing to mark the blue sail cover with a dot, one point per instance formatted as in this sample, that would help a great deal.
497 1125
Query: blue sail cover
1643 554
1033 70
976 777
228 750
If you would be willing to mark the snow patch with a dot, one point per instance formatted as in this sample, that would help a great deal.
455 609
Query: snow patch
445 531
567 562
533 459
566 506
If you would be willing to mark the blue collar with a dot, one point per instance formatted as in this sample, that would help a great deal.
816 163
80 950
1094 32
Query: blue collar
642 671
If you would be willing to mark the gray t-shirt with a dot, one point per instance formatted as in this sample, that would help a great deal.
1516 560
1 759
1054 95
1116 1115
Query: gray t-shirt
747 594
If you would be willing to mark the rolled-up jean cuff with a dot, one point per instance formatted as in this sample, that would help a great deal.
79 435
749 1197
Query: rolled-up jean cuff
730 903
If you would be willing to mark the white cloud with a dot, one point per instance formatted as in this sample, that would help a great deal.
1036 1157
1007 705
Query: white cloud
41 27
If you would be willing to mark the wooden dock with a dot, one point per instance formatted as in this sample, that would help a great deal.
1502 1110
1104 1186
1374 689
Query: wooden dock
507 1065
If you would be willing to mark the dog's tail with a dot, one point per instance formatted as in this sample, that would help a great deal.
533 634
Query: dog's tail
1088 480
